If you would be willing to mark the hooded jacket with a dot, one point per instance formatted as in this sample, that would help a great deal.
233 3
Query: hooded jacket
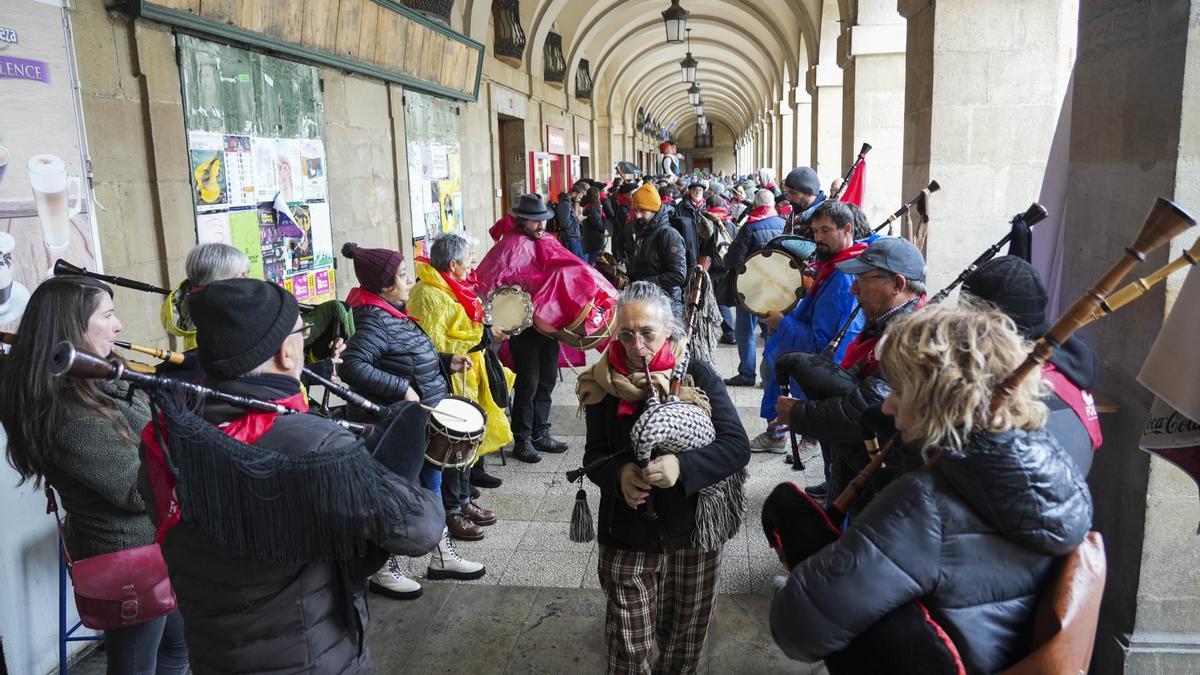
659 257
974 538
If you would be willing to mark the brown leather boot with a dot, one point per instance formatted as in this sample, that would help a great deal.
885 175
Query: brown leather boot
477 514
462 528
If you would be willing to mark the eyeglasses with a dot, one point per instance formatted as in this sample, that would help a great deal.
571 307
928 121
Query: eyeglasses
867 276
627 336
305 331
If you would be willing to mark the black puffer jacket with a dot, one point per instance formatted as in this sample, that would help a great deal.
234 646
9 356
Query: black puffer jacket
387 355
685 221
659 257
622 527
565 218
974 538
595 228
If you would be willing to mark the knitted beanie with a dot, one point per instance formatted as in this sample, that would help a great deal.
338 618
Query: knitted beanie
374 267
803 179
240 323
1014 286
646 198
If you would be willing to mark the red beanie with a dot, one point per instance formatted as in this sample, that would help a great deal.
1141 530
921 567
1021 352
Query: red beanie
374 267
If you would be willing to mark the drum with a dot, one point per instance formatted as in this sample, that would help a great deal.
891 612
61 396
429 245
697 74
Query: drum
454 432
798 247
510 309
589 330
770 280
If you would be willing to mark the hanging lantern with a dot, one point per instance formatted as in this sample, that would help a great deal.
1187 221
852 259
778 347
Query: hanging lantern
675 19
700 108
694 93
688 65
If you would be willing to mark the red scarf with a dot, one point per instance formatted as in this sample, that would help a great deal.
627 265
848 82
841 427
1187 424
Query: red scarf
826 268
663 360
464 292
785 209
719 212
361 297
699 204
624 200
248 428
761 213
1079 401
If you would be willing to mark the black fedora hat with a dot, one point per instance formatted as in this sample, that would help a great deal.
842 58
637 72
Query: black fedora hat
532 207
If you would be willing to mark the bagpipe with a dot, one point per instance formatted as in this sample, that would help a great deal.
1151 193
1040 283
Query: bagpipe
796 527
862 154
1033 215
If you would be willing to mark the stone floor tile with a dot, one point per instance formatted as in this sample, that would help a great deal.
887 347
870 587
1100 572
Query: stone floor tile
553 536
475 632
504 534
561 569
391 619
564 633
558 508
739 640
509 506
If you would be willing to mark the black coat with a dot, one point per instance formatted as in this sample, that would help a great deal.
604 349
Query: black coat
564 217
622 527
243 615
974 537
685 222
622 232
659 257
387 355
595 227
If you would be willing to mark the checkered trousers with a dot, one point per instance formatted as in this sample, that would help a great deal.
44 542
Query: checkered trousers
657 598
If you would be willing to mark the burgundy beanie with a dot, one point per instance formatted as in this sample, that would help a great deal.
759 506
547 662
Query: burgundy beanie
374 267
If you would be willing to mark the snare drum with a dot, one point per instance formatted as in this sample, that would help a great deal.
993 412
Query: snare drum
454 432
591 328
510 309
770 280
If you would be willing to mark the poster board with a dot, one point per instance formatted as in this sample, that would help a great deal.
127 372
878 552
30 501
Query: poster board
46 208
434 154
255 133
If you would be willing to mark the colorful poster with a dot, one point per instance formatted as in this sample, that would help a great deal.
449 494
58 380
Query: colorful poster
322 234
207 154
45 198
312 158
266 177
239 171
245 234
288 165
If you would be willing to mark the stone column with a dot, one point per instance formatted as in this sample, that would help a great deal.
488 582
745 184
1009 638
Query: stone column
1135 135
785 157
768 136
984 84
871 54
802 118
825 86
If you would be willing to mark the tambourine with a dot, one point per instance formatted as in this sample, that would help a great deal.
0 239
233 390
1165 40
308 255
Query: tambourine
510 309
770 280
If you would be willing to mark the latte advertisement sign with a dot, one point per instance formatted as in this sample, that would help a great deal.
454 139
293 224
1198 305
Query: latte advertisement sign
45 207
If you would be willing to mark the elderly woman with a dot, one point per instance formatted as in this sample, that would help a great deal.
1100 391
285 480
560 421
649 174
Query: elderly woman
451 313
205 264
973 535
391 359
659 584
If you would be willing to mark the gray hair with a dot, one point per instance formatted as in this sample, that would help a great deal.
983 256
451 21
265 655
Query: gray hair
446 249
215 261
915 287
649 293
764 198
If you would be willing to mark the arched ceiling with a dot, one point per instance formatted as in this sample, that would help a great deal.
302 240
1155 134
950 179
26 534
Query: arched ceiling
749 53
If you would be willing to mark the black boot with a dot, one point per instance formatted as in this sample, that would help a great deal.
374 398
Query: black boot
483 479
523 450
548 443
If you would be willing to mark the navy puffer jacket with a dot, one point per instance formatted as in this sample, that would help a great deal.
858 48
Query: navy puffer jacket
387 355
974 538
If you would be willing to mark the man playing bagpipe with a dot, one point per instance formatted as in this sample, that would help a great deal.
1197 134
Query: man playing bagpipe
270 524
889 282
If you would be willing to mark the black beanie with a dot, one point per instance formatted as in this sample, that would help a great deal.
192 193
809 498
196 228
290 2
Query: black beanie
240 323
803 179
1014 286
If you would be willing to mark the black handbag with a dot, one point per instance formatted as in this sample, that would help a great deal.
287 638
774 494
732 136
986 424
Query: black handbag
497 383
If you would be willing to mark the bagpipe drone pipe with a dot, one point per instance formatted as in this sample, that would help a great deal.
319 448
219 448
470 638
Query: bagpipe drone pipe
909 639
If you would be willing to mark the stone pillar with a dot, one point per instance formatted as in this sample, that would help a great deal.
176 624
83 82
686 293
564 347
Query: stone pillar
1135 135
871 54
785 157
768 136
982 99
802 118
825 86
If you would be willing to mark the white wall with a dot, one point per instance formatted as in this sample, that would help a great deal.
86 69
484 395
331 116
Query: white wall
29 579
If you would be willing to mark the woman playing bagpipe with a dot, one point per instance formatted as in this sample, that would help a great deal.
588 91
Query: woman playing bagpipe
974 535
663 520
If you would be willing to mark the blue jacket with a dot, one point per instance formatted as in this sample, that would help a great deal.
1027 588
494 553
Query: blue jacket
810 327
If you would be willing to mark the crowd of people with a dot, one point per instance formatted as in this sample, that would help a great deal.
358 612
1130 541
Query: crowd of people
968 515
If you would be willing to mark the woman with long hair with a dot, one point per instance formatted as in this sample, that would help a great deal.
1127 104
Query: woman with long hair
80 436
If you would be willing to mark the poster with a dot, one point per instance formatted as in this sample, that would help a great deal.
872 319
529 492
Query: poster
255 126
434 167
45 201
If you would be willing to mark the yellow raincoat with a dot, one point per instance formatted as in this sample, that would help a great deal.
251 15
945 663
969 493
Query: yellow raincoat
441 316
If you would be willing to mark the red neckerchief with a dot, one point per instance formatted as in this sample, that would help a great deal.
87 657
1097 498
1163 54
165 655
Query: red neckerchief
624 200
361 297
698 204
768 186
861 351
466 294
663 360
761 213
785 209
665 199
1080 402
826 268
248 428
719 212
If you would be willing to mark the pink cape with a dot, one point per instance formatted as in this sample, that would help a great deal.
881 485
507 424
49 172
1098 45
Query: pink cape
559 284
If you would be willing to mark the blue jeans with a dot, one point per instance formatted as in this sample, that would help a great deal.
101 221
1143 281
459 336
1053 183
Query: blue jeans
747 343
456 489
726 318
152 648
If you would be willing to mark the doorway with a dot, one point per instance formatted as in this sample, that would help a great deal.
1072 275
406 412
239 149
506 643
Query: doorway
512 160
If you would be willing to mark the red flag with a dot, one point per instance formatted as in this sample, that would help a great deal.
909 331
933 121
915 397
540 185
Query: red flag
857 188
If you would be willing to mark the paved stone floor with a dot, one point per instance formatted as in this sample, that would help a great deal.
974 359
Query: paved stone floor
539 608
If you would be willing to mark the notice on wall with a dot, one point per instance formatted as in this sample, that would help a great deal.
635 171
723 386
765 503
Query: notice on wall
255 141
45 199
434 167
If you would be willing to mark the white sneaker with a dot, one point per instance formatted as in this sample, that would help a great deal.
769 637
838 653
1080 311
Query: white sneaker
446 563
390 581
